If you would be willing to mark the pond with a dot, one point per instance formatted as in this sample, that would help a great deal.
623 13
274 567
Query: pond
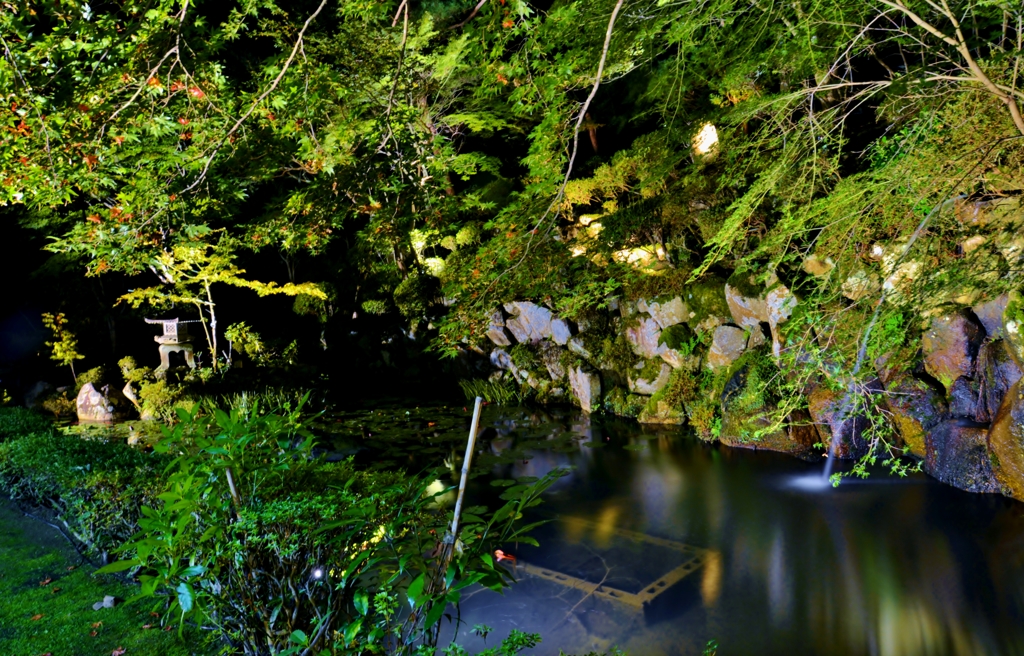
659 543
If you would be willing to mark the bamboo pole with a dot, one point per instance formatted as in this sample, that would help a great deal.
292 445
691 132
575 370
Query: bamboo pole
466 462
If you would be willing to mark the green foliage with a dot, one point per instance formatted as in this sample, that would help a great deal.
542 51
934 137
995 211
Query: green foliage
245 340
64 344
17 422
500 392
259 539
60 404
96 376
96 487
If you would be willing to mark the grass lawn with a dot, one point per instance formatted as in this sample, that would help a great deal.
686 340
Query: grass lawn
56 617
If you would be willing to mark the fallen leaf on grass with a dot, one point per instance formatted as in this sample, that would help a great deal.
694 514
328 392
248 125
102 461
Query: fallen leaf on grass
154 613
97 625
93 634
36 618
72 568
168 627
118 652
54 590
45 581
147 626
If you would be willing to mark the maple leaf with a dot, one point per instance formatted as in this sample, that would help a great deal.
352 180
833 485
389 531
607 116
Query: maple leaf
54 590
93 634
45 581
97 625
93 218
196 92
36 618
118 652
90 160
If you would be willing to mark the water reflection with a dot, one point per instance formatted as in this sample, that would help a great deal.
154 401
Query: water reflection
877 568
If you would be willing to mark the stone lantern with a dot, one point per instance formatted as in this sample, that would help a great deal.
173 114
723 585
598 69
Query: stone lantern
174 340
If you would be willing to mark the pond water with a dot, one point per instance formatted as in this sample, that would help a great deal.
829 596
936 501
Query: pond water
659 543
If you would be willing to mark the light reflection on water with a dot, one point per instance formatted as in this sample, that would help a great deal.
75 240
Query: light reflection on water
881 567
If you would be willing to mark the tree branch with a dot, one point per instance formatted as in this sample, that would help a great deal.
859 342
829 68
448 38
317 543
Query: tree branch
472 14
262 97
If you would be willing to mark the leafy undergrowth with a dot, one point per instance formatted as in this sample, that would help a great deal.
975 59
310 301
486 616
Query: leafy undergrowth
46 598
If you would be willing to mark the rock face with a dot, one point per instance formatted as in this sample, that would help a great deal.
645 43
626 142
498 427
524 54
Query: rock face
780 303
746 311
916 408
530 322
639 385
496 330
560 332
838 428
661 412
551 356
644 337
990 314
997 372
1006 443
957 455
950 347
667 313
93 405
587 388
727 345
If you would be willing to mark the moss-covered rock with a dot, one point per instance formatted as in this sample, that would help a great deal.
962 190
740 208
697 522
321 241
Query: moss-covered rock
916 409
622 403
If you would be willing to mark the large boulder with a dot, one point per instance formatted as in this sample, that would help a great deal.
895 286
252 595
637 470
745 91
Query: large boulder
496 331
997 373
964 398
560 331
780 303
951 346
666 313
644 336
1006 443
34 396
530 323
747 308
551 356
94 405
639 383
586 386
990 314
840 427
727 345
957 454
916 408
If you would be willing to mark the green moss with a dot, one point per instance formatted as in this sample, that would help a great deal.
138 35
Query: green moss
621 402
31 553
745 283
651 369
679 337
706 298
616 354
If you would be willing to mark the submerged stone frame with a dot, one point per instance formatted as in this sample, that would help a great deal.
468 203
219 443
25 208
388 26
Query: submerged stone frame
174 340
694 559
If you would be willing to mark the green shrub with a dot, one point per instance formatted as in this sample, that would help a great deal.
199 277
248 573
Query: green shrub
96 488
97 376
60 404
278 550
15 422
